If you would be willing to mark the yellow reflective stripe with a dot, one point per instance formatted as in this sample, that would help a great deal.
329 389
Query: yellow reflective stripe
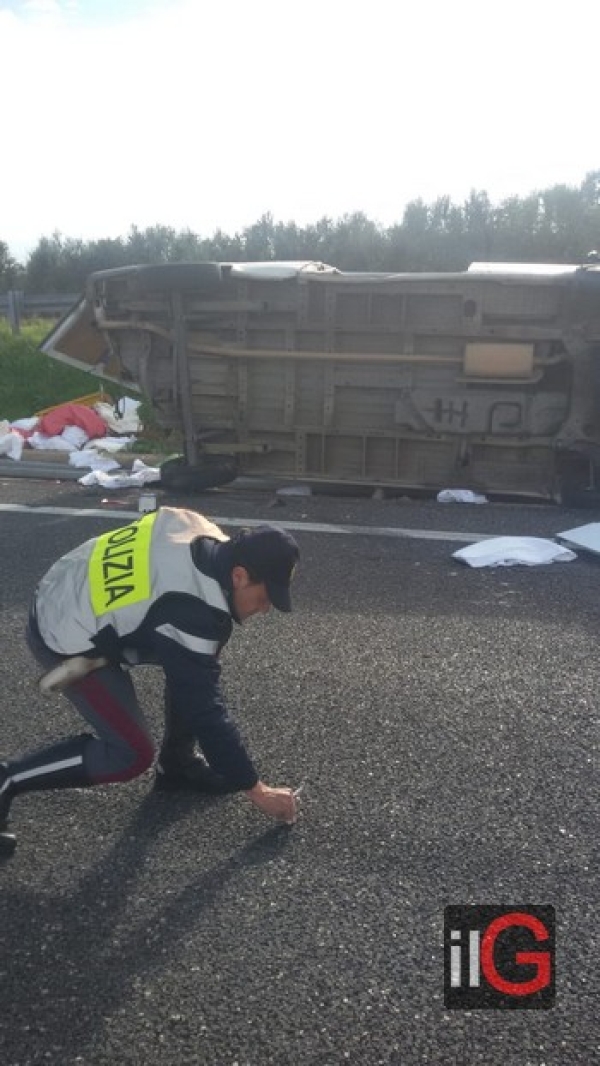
119 567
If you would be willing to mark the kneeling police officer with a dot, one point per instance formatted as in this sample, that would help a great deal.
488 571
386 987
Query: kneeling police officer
163 590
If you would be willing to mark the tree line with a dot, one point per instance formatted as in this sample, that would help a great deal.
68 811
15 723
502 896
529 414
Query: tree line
560 224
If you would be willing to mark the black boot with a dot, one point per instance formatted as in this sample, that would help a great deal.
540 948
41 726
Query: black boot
193 776
60 766
180 766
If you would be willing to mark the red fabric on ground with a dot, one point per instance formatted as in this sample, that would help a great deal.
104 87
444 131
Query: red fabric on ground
72 414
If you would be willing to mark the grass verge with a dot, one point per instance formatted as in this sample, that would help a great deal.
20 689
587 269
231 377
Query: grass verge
30 382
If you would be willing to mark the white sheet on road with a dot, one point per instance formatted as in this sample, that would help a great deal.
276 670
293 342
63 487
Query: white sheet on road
514 551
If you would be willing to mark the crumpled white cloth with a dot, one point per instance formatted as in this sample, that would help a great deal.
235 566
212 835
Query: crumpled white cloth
91 458
141 475
75 436
49 444
25 423
70 438
11 444
460 496
110 444
514 551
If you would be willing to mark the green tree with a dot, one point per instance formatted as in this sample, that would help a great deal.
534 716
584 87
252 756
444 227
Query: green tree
152 245
60 264
259 240
357 243
11 272
559 224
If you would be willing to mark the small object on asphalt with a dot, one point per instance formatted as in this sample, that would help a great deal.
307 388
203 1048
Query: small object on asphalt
147 502
460 496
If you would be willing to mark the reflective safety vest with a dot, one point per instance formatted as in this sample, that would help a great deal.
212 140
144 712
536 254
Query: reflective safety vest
119 567
113 580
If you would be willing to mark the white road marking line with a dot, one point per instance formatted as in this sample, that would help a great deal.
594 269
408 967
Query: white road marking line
296 527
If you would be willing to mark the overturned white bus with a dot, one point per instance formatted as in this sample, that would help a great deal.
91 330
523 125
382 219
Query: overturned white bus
487 379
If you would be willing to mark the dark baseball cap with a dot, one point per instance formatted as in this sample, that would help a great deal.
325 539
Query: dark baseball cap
269 554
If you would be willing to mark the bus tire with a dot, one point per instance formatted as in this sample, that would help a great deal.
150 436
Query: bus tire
176 475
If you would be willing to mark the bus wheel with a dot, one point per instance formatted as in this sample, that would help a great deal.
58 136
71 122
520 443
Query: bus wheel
176 474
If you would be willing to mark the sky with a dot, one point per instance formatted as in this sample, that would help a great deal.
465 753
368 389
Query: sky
205 115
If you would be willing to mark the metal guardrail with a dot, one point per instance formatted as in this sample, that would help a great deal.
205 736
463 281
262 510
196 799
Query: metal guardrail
17 305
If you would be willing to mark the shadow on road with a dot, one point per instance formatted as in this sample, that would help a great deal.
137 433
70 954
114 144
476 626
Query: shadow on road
68 961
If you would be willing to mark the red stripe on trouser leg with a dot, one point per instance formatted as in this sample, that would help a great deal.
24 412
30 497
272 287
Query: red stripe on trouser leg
106 707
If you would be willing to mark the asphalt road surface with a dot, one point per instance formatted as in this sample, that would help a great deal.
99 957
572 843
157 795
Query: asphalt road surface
444 722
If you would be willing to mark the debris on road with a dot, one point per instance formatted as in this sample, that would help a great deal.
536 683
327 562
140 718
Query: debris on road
140 475
514 551
80 427
460 496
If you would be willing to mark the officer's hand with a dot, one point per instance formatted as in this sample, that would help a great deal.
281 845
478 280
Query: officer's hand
278 803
